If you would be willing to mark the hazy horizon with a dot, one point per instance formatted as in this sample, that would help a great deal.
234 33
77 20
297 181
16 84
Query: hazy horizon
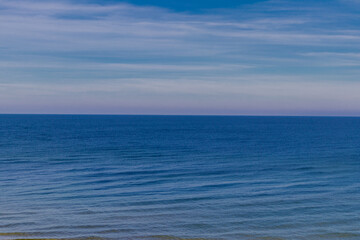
182 115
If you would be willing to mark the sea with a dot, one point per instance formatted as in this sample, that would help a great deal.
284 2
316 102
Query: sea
123 177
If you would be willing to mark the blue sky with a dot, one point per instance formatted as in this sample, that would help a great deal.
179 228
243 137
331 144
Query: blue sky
180 57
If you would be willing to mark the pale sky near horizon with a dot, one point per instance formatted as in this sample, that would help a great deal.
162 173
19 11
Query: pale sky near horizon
180 57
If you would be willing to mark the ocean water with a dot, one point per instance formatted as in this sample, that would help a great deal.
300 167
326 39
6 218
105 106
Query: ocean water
179 177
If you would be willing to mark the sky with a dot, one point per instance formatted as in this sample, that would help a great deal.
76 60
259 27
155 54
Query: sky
199 57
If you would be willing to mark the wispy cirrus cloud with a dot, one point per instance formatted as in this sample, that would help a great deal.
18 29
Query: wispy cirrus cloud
73 47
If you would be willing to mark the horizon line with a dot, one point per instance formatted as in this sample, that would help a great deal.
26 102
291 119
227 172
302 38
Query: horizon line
182 115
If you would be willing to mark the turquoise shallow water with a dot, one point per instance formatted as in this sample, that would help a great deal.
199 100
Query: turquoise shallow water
173 177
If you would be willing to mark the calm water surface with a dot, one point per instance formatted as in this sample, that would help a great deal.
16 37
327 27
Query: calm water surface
172 177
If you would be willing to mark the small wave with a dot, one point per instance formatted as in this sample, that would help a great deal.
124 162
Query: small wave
15 234
338 235
80 238
168 237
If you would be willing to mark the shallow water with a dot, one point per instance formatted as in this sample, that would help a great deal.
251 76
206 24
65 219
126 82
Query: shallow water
173 178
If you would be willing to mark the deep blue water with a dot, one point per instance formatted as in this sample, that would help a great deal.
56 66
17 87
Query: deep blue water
175 177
